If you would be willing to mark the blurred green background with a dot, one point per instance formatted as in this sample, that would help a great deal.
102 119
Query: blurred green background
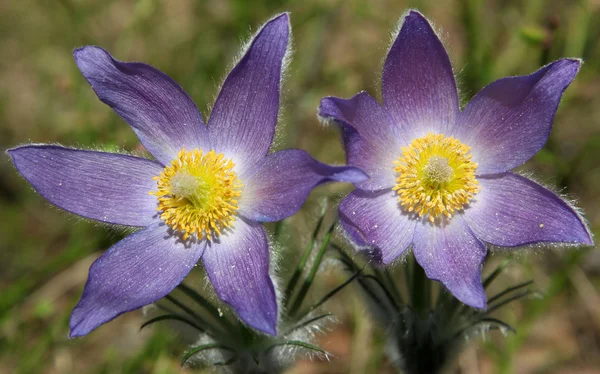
339 47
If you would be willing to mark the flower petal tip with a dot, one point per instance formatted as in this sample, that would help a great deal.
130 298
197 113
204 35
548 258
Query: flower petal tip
414 18
480 304
77 327
472 295
270 329
282 17
281 22
414 14
588 239
88 53
566 69
12 152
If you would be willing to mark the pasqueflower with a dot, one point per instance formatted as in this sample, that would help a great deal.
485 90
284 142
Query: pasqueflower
440 178
203 196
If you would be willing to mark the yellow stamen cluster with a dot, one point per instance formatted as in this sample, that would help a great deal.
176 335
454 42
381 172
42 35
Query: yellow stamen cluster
435 176
197 193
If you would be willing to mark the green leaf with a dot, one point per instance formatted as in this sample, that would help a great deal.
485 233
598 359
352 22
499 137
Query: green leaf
202 348
308 322
299 343
330 294
172 317
500 304
499 269
298 272
210 308
509 290
313 271
199 320
490 321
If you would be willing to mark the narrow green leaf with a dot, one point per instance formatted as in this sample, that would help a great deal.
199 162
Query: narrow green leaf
298 343
308 322
172 317
394 287
480 321
509 290
199 320
490 278
384 289
420 288
313 271
345 259
202 348
298 272
500 304
330 294
211 309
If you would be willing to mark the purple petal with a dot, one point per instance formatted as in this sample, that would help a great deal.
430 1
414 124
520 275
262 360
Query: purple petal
282 183
238 267
136 271
453 256
242 122
418 84
107 187
509 121
371 141
375 220
511 210
160 112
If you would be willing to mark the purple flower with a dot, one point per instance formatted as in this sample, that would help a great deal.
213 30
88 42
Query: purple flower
440 177
203 197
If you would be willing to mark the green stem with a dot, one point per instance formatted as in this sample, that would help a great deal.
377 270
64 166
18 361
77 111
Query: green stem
298 272
313 272
420 288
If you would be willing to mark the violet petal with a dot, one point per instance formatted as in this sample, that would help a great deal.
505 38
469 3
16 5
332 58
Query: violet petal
107 187
418 83
282 183
510 120
453 256
136 271
375 221
157 108
371 141
242 122
237 264
511 210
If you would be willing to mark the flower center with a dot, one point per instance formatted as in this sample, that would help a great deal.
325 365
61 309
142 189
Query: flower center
435 176
197 193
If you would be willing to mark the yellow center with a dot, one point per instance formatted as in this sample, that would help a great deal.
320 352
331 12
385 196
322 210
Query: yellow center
435 176
197 193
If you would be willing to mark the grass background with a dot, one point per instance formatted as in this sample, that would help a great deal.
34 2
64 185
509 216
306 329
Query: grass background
339 48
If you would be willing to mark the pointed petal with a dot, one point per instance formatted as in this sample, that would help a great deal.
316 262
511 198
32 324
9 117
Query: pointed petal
418 84
511 210
160 112
238 267
282 183
242 122
371 141
453 256
107 187
375 221
510 120
136 271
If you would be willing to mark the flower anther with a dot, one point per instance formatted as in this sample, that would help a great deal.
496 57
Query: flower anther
435 176
198 193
